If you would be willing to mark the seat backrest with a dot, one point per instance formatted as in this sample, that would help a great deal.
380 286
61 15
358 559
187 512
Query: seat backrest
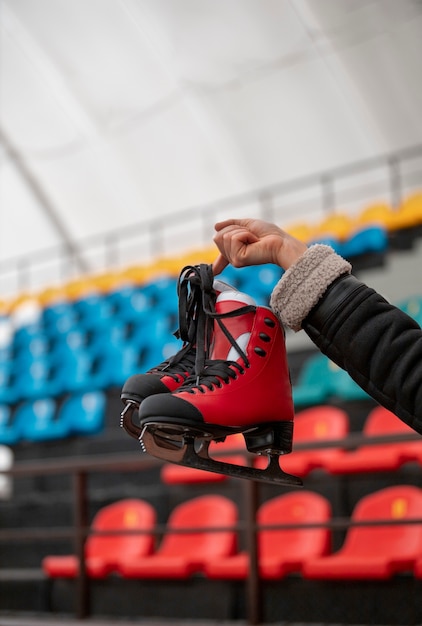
320 423
84 412
296 507
381 421
130 515
402 502
202 512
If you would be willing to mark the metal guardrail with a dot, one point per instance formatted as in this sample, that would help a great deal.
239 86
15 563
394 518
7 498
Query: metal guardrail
80 469
349 187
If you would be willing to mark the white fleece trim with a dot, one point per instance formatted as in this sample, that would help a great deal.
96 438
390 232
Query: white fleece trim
305 282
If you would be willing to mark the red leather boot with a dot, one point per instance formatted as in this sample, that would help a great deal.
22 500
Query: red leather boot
244 386
197 291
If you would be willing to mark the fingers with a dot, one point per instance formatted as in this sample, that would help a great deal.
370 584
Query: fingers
219 264
231 222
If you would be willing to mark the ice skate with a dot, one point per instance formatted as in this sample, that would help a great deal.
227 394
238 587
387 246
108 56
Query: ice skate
243 386
196 287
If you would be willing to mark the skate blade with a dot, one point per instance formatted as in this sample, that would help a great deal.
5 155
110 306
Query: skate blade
127 423
185 452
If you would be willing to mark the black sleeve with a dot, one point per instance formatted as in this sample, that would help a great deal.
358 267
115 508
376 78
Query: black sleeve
376 343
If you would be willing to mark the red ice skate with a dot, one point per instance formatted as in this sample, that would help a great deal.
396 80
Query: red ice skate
243 386
196 288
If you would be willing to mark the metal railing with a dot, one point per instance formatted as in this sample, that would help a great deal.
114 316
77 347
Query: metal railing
80 469
349 188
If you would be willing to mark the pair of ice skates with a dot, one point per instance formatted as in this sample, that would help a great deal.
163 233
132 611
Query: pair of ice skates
231 376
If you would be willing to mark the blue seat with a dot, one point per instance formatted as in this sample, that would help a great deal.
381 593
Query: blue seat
84 413
367 240
9 429
39 420
85 370
40 379
128 303
59 318
93 310
9 391
413 307
321 379
312 386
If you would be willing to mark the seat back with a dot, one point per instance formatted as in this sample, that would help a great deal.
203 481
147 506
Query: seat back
38 420
130 515
296 507
381 421
202 512
84 412
402 502
322 422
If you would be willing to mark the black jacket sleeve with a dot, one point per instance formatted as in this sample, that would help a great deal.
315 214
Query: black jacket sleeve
376 343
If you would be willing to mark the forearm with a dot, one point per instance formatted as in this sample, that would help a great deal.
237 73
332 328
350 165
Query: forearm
379 345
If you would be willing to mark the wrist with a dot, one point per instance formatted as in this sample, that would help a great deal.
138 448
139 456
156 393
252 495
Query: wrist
290 252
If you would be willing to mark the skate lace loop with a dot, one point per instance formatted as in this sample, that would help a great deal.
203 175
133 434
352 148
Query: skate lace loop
197 315
215 373
178 365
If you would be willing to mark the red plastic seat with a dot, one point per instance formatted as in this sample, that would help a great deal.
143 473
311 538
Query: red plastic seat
104 553
319 423
182 554
285 550
376 551
379 457
172 474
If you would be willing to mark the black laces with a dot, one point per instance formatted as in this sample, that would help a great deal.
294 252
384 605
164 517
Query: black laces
197 315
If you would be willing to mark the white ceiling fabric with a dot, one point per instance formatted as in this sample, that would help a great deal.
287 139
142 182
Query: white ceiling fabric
122 110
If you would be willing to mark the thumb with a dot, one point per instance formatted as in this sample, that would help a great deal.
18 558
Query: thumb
219 264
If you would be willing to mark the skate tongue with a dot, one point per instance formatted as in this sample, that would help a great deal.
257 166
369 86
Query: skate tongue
235 316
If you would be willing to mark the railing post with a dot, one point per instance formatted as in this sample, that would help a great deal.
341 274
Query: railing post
81 523
395 181
327 193
254 590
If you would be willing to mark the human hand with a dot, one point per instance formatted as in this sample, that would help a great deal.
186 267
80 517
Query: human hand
244 242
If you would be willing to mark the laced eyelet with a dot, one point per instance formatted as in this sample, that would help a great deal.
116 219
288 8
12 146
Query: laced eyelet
264 337
259 351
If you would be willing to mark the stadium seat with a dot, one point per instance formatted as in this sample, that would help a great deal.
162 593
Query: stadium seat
39 420
313 425
337 225
9 392
41 378
412 306
378 457
409 211
84 413
182 554
376 550
379 213
281 551
104 553
312 385
370 239
173 474
9 429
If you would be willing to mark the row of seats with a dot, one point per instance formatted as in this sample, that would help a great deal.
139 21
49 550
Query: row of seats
314 427
383 538
357 234
46 419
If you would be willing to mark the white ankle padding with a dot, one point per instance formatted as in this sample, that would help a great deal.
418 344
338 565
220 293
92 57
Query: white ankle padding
242 342
236 296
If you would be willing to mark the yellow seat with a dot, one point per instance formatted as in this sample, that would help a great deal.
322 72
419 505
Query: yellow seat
337 225
409 212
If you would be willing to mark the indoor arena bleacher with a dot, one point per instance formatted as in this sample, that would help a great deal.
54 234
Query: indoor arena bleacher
91 526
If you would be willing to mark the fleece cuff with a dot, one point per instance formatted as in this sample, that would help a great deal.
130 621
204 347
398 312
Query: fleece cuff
305 282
